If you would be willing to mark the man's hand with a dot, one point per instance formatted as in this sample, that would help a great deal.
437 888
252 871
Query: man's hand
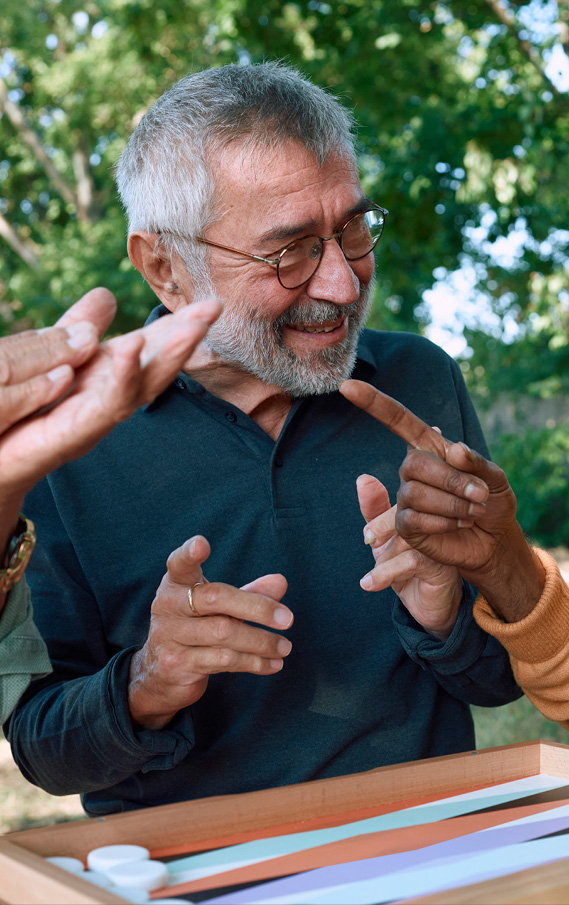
430 591
457 508
182 650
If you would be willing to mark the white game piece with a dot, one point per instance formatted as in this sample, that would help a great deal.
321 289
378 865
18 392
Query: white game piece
101 859
96 878
140 874
71 865
131 894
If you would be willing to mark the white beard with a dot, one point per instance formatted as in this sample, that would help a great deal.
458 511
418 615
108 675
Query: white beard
244 338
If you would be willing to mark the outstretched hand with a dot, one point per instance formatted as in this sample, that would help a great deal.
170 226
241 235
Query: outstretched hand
457 508
63 391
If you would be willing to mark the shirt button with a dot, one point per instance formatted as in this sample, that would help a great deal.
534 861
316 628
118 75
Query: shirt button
231 416
278 461
179 383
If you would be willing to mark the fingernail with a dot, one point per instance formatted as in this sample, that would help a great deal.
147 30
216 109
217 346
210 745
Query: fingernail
282 617
276 664
463 523
192 547
80 335
476 492
366 582
284 647
369 536
58 373
477 509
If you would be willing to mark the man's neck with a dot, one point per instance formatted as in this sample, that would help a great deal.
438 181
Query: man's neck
265 403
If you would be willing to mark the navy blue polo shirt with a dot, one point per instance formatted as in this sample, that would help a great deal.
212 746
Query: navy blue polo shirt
363 686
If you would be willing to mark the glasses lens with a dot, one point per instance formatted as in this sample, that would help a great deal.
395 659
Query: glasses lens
362 234
299 261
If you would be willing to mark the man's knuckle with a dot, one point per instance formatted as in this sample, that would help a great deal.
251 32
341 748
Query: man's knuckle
496 473
222 628
168 659
6 370
412 462
405 493
208 596
260 611
227 658
458 508
405 521
416 558
413 520
164 601
456 482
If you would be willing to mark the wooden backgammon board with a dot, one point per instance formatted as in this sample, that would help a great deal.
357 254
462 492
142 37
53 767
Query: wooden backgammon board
489 826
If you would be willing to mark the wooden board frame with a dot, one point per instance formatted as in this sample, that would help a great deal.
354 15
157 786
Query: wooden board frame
26 878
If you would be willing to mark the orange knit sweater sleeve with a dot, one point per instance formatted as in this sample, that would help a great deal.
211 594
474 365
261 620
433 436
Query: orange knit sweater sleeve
538 645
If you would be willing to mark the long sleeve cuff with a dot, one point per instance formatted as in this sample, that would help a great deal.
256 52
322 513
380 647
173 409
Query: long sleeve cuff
154 749
87 742
541 634
538 645
457 653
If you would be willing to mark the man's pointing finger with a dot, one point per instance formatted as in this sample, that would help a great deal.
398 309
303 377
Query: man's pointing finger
395 416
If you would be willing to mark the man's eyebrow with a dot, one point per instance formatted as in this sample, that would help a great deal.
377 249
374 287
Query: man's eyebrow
284 233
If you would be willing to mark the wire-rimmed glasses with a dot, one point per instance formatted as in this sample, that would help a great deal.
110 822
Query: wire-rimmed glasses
298 261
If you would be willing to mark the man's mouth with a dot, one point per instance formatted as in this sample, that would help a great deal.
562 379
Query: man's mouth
316 328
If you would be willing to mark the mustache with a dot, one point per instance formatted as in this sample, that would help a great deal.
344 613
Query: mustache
315 313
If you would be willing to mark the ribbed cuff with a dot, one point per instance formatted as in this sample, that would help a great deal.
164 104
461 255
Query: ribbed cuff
543 632
457 653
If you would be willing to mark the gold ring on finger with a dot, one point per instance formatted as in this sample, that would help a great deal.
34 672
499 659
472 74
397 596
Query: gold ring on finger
193 610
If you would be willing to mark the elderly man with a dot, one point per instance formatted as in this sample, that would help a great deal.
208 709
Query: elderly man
243 180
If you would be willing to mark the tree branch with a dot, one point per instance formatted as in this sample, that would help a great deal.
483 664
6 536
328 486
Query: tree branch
23 249
506 18
85 187
28 135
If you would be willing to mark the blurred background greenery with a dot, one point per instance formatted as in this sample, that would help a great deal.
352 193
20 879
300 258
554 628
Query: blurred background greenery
464 136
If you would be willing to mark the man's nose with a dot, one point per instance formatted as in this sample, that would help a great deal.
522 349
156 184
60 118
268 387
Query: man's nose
334 280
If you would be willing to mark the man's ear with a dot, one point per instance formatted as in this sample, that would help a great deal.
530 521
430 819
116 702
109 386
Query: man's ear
156 268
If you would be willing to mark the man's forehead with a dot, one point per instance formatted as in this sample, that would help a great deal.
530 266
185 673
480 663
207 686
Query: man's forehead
288 174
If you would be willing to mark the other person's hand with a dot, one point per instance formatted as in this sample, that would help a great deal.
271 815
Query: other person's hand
430 591
182 650
98 384
457 508
61 390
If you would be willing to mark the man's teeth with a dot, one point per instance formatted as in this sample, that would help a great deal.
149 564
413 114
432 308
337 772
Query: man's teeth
303 329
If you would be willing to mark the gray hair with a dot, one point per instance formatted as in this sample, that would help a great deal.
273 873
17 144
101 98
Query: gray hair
165 175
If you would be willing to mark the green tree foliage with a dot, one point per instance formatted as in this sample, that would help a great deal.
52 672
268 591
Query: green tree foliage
537 463
458 122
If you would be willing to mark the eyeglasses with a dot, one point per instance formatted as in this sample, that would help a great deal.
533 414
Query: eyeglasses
298 261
